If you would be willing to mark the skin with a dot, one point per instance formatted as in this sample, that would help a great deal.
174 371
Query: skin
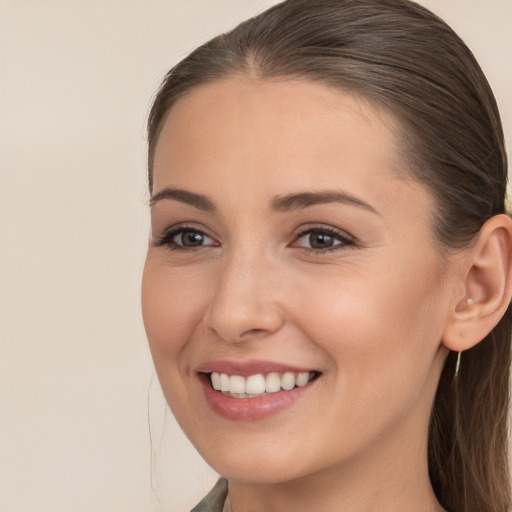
368 314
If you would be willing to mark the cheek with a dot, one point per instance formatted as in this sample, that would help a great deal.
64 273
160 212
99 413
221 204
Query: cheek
386 322
172 310
172 306
381 337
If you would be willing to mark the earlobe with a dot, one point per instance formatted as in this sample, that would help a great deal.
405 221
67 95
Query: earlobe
487 286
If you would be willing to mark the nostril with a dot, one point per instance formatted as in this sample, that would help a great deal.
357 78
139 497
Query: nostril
238 329
252 332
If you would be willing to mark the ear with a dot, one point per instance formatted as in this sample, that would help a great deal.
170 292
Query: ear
487 286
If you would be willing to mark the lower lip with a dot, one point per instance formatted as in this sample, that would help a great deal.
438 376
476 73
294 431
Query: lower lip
251 409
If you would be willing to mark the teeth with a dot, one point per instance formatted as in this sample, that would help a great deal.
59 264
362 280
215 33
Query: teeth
288 381
236 384
273 383
257 385
224 382
216 383
302 379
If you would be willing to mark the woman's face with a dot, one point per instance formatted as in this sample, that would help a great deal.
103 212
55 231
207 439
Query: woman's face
289 248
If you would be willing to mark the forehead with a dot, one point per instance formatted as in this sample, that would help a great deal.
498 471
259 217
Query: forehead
248 139
285 118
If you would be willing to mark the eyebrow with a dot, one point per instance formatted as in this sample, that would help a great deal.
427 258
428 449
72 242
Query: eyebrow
281 204
292 202
184 196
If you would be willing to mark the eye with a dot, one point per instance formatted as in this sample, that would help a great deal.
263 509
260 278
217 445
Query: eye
183 238
322 239
191 239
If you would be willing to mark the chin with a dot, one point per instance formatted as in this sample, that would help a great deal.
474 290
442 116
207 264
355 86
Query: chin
256 461
258 471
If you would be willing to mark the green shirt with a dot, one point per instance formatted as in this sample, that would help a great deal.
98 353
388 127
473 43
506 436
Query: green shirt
216 498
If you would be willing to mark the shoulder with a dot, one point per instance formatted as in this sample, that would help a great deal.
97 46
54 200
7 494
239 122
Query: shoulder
214 501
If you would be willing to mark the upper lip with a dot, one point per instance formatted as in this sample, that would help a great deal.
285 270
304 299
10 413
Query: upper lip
246 368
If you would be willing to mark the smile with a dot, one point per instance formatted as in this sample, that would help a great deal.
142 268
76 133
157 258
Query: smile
254 386
254 390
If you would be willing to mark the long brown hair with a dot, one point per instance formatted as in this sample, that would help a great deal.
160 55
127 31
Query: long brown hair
401 56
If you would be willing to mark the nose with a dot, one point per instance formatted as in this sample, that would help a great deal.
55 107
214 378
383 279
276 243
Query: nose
244 304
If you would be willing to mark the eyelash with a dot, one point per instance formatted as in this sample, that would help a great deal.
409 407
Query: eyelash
345 239
166 239
168 236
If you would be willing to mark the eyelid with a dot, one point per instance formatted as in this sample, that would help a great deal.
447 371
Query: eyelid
346 239
166 238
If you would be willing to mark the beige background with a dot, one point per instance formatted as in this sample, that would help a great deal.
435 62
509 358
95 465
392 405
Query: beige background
76 79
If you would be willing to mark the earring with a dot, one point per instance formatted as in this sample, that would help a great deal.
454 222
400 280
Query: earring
457 364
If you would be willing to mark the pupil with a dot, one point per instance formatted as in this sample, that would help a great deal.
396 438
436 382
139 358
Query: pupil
320 240
191 239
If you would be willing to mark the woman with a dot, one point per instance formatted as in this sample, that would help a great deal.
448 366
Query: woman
327 287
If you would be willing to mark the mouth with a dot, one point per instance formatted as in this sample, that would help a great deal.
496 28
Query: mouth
256 389
260 384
